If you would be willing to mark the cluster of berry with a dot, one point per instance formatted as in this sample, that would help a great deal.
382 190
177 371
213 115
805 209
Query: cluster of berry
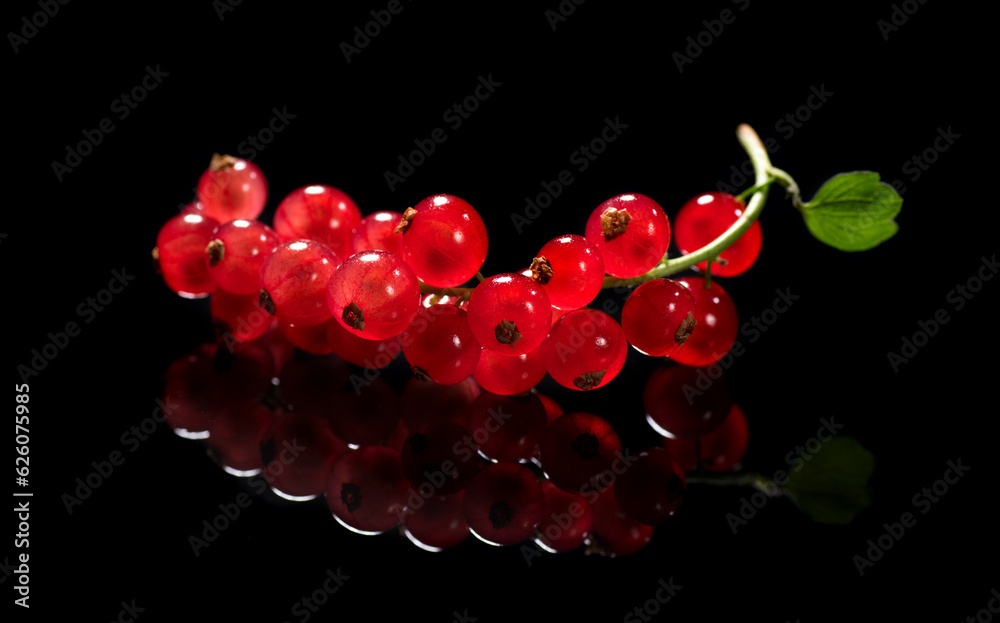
504 463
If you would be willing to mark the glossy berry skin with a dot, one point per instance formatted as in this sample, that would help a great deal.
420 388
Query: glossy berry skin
435 523
375 232
364 412
686 402
426 404
585 350
509 314
567 519
615 533
235 254
577 448
297 453
321 213
652 488
372 354
439 345
445 241
366 490
706 217
722 449
633 247
503 504
507 428
498 373
312 339
717 325
440 459
238 316
232 188
659 317
294 281
374 295
235 434
180 253
574 273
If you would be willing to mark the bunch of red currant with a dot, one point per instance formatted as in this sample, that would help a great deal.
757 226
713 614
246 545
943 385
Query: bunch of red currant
470 446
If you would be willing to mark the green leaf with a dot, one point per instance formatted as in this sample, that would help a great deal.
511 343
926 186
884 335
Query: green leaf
853 211
832 486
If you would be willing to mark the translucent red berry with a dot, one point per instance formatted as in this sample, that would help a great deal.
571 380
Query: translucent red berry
717 324
503 504
439 345
321 213
294 280
652 488
238 317
509 314
567 519
444 240
374 295
297 454
180 254
570 269
435 523
585 350
577 448
681 401
616 533
721 450
706 217
235 254
632 233
366 491
232 188
507 428
659 317
376 232
502 374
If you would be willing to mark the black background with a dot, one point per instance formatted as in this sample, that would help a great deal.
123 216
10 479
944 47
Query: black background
825 358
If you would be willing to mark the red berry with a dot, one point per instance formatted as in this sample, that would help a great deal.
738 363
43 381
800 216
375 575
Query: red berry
440 459
238 316
706 217
297 454
375 232
577 448
717 324
503 504
658 317
180 254
435 523
615 533
681 401
652 488
444 240
567 519
312 339
425 404
509 314
294 280
571 270
374 295
585 350
364 412
321 213
366 491
235 253
498 373
232 188
507 428
439 345
721 449
235 435
372 354
631 232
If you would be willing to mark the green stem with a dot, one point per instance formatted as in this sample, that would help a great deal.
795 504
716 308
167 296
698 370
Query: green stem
752 479
762 178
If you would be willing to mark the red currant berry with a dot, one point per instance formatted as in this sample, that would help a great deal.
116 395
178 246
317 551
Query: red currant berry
652 488
658 317
577 448
615 533
364 412
294 280
585 350
631 232
375 232
374 295
425 404
440 459
297 454
722 449
439 345
498 373
717 324
321 213
180 254
366 491
507 428
235 253
571 270
235 434
444 240
232 188
566 520
678 403
238 316
503 504
311 339
435 523
371 354
509 314
706 217
312 383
